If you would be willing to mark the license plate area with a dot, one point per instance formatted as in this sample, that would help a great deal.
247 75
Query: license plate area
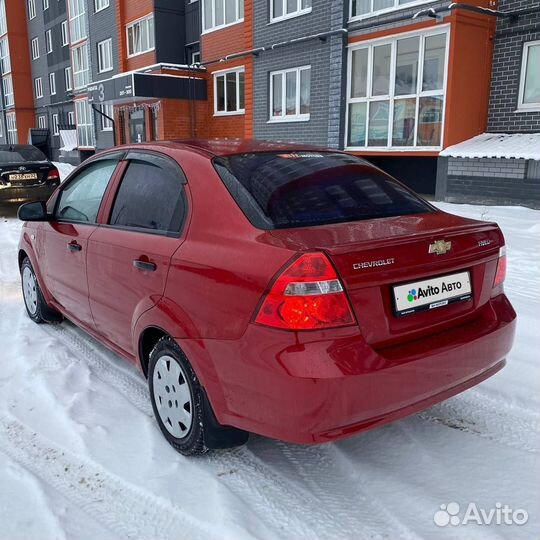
22 176
432 293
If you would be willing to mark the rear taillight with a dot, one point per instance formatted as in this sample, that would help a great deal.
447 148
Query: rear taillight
500 275
53 175
307 295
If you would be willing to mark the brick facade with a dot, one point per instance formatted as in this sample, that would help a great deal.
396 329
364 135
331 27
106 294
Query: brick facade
510 37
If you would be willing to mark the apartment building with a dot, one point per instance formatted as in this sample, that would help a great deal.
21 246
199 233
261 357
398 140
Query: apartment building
16 100
503 165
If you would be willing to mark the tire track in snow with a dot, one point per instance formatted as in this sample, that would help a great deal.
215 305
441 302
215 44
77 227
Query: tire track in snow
256 483
103 365
123 508
477 413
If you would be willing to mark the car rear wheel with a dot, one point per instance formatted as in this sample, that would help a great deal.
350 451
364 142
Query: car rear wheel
180 404
36 307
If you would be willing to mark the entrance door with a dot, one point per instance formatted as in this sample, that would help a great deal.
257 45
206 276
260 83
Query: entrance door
137 126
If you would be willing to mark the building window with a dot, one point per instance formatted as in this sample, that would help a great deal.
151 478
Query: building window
7 83
52 83
55 124
140 36
81 71
45 4
65 36
229 92
31 9
85 124
42 122
285 9
360 9
38 87
105 58
529 82
5 61
67 79
396 92
219 13
195 58
3 20
77 20
106 124
11 121
71 118
290 91
48 41
100 4
35 48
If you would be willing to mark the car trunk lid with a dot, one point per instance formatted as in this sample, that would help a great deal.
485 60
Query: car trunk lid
374 256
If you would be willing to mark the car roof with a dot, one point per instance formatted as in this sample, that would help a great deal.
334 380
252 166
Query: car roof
224 147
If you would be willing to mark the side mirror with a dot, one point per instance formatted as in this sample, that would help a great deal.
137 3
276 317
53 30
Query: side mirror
33 211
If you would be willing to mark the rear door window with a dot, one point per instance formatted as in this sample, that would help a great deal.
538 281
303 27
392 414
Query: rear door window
151 196
81 198
298 189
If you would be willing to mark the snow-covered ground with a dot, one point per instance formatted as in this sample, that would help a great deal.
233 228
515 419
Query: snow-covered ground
82 458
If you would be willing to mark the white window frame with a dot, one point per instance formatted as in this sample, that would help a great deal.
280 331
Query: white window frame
48 41
526 107
52 83
105 52
239 15
77 20
224 73
80 73
68 79
299 11
85 124
9 96
391 9
5 58
108 109
151 44
65 33
45 4
31 9
71 118
3 19
34 45
12 133
55 124
100 5
42 121
38 88
298 117
393 39
195 57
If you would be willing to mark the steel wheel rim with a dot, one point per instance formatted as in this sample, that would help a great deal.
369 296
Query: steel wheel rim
30 294
172 396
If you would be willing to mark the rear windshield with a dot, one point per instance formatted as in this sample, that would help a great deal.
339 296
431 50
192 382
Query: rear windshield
279 190
20 154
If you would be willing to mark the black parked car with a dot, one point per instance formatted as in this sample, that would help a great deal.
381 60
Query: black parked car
26 174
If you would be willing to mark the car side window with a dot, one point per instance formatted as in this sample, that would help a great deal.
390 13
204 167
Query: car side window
81 198
151 197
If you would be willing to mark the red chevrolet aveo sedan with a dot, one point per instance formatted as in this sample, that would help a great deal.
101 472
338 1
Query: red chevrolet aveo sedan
297 293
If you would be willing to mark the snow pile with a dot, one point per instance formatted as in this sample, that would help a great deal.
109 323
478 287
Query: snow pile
497 145
63 168
81 457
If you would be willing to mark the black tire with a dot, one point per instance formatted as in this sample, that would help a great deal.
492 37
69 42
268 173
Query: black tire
37 310
204 432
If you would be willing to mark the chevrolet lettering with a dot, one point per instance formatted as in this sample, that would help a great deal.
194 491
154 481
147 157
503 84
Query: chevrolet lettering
373 264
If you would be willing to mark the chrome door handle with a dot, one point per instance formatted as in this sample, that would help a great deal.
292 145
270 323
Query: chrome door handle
144 265
74 246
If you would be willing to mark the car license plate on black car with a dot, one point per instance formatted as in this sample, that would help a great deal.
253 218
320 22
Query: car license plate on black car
432 293
22 176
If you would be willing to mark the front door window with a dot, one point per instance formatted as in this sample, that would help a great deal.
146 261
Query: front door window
137 126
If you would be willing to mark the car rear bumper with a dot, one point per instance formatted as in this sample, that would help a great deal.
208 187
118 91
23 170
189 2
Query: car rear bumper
317 387
38 192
